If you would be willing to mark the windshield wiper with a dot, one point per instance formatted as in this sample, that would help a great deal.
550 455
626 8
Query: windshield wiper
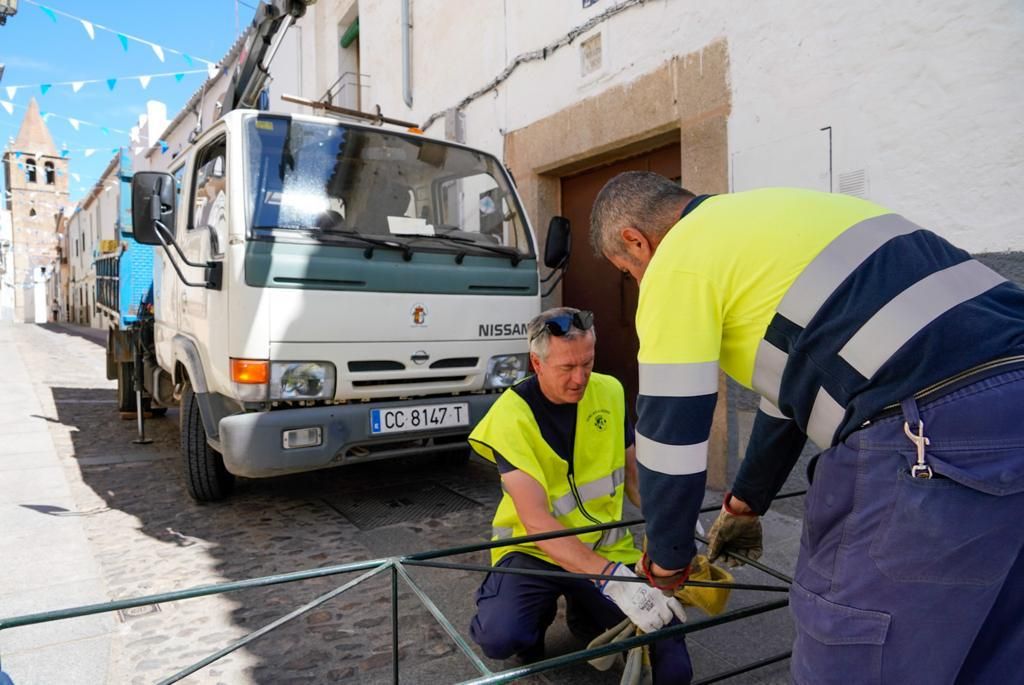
512 253
372 243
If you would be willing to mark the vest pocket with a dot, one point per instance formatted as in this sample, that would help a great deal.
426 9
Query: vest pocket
946 530
833 640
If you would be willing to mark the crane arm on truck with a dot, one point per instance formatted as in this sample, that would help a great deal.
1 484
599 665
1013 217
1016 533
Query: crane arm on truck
270 25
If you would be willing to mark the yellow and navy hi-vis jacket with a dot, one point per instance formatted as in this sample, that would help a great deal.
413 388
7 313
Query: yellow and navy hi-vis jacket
828 306
583 493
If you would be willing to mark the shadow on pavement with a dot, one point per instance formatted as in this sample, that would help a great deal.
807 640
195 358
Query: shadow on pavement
150 537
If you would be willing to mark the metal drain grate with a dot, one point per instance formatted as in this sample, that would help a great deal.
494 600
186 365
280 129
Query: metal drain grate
386 506
137 612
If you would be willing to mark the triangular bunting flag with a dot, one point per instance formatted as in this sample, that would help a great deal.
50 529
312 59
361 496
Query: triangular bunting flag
46 115
76 177
17 155
138 149
163 146
9 106
178 77
87 25
64 153
74 123
188 60
144 81
50 13
158 51
211 70
105 130
77 86
11 90
89 152
124 41
111 82
43 87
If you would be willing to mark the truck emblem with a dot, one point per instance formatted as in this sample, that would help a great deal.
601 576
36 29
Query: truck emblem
419 357
419 315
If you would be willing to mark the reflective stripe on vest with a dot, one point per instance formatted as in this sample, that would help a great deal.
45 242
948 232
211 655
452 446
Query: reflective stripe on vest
609 537
592 490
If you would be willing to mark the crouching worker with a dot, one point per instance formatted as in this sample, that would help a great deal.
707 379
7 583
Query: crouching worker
563 445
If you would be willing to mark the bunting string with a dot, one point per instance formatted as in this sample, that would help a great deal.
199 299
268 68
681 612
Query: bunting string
91 26
143 79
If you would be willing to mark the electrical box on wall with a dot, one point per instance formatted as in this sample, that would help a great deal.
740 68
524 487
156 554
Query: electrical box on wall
591 55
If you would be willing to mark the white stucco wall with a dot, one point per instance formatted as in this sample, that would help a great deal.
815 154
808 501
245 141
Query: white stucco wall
926 98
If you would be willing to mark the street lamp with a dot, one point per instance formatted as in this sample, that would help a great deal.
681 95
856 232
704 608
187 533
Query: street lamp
8 8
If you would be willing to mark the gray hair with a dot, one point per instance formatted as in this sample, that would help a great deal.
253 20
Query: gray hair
646 201
540 337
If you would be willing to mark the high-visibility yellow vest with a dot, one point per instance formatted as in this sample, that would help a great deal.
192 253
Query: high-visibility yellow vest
591 494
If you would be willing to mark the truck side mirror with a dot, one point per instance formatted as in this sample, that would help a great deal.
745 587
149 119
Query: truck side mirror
558 244
152 201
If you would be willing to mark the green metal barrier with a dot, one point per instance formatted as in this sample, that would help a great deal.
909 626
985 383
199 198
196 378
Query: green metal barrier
397 567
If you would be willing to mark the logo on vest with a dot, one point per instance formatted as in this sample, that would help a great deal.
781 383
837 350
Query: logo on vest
599 419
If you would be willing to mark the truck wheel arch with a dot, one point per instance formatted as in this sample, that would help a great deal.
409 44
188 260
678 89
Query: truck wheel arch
188 368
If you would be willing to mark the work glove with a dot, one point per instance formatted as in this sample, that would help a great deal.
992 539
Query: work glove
637 667
647 607
735 532
710 600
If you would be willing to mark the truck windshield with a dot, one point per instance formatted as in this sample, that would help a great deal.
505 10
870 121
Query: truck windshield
334 182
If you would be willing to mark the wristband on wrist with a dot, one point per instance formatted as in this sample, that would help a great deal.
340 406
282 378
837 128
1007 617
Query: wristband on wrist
730 510
670 583
601 582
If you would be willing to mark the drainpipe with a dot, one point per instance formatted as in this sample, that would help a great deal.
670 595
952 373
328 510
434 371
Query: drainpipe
406 55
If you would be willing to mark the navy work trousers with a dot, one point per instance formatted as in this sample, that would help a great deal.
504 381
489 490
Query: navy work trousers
912 580
514 611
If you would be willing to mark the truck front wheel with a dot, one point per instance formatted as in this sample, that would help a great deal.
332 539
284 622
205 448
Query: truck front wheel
205 476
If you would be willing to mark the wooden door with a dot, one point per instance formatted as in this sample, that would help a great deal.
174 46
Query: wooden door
592 283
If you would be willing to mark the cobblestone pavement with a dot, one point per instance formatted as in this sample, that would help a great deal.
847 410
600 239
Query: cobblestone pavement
148 537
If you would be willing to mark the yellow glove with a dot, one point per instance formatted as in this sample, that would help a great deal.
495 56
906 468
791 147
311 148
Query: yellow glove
710 600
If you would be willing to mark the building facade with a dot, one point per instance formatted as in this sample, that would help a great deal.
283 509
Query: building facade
36 195
913 105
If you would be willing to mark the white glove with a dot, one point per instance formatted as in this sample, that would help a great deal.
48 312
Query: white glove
644 605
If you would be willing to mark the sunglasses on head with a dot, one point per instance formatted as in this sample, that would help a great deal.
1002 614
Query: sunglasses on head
561 325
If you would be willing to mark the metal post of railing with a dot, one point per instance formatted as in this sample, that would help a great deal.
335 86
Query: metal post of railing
443 620
394 622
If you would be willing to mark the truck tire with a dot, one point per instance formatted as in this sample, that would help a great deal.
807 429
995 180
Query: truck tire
205 476
126 387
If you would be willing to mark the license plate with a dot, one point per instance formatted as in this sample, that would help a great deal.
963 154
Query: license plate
425 417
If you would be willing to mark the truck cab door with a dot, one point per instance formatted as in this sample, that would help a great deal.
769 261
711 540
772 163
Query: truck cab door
202 236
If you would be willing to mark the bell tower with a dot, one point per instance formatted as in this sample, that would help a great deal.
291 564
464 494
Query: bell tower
36 193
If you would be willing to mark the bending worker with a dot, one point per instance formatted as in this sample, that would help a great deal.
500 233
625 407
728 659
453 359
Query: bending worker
564 447
896 353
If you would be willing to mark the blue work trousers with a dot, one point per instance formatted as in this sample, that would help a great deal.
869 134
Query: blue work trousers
912 580
514 611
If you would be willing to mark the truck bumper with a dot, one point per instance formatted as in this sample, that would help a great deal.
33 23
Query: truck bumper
252 443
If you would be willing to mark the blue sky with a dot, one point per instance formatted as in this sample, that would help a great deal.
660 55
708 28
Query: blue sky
38 50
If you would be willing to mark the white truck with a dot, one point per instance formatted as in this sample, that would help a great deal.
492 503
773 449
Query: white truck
328 290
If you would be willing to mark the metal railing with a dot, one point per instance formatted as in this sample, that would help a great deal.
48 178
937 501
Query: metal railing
397 567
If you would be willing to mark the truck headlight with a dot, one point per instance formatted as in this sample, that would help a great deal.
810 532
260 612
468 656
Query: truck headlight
505 370
301 381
